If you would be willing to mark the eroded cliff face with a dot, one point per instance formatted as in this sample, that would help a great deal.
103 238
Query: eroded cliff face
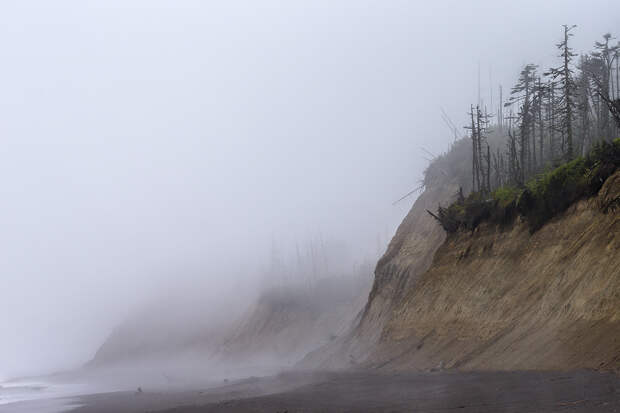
409 254
497 298
274 332
502 298
507 299
285 324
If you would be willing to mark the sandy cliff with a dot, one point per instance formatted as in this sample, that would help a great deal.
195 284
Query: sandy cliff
409 254
497 298
274 331
284 324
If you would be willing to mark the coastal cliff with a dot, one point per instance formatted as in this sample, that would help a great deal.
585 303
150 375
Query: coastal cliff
499 297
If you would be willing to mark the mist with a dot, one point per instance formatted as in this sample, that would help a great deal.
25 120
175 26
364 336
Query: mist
151 145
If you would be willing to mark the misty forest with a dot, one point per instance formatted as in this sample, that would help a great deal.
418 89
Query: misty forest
328 206
553 139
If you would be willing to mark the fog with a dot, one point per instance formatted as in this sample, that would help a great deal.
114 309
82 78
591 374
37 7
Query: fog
149 145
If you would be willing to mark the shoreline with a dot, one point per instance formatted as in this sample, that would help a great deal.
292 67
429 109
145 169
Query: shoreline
44 405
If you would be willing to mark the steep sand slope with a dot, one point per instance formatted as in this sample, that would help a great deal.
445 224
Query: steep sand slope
505 299
408 256
496 298
284 324
275 331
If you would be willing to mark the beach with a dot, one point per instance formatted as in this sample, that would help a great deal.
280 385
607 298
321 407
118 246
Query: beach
367 391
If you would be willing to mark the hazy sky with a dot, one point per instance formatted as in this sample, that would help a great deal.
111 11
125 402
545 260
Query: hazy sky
146 142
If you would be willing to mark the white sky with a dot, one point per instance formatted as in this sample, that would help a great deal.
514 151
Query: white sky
145 142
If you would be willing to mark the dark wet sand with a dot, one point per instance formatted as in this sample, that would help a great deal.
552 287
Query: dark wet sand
480 392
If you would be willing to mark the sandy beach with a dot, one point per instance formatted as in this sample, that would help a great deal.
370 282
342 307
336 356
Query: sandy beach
369 391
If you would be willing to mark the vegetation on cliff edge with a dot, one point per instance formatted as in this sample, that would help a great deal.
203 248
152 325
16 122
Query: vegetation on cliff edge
540 199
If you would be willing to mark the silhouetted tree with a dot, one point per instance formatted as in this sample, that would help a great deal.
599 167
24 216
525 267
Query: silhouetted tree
563 75
522 95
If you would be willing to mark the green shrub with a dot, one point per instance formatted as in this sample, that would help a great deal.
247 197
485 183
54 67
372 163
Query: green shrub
541 199
505 204
553 192
506 195
465 213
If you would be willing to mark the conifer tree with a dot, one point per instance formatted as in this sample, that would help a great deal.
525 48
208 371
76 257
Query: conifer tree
522 95
563 75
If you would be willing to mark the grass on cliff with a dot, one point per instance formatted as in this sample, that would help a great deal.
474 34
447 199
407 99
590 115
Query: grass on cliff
541 198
